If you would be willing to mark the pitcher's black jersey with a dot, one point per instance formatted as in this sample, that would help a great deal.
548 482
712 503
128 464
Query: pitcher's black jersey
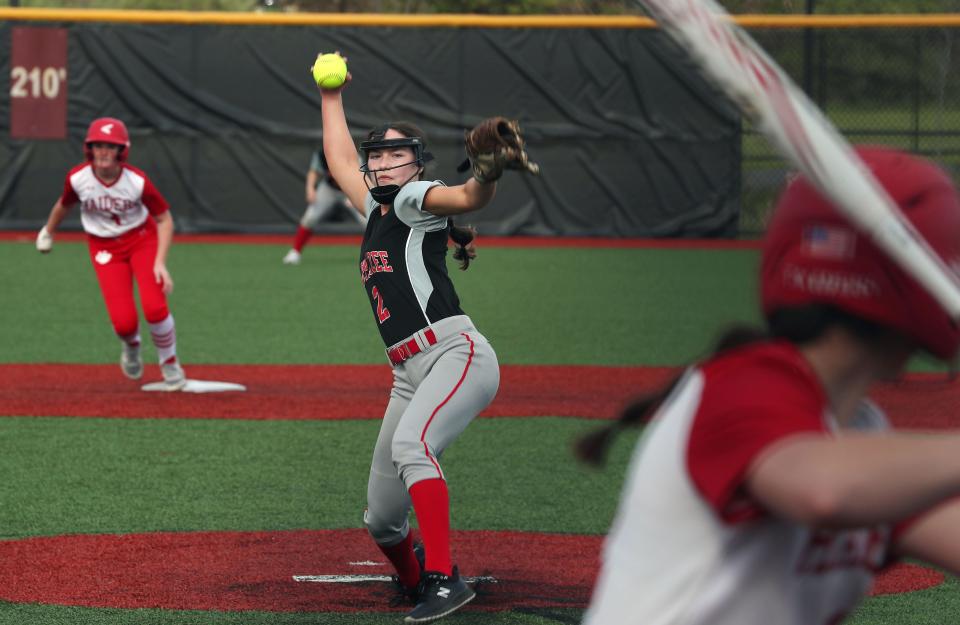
403 265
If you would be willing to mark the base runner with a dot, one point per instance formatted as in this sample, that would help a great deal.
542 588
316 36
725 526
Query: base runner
129 231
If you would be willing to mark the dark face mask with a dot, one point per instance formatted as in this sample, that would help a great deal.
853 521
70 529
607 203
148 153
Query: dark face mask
387 193
384 194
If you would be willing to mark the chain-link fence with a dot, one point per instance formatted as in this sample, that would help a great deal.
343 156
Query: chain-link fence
892 85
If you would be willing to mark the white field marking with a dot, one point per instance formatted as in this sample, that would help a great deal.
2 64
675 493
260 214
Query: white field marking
196 386
351 579
366 563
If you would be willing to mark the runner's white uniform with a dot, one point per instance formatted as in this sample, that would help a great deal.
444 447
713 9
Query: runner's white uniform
688 547
110 210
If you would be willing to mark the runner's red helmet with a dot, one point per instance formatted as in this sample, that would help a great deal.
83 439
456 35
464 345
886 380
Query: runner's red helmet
814 255
107 130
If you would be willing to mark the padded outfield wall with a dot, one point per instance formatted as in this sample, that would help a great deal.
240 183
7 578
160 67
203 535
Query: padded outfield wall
224 116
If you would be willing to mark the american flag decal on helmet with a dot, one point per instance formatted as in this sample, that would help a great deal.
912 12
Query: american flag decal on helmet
829 242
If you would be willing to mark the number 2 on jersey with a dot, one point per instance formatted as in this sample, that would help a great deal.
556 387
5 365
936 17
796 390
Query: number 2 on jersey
382 313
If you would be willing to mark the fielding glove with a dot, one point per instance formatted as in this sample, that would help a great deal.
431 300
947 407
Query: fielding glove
496 144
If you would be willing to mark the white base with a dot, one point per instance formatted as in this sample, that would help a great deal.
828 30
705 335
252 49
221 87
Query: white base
196 386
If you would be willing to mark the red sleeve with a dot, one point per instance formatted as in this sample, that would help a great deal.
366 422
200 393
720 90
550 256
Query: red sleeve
152 199
744 410
69 196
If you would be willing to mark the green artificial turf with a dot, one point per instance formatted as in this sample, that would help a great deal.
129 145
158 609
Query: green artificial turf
75 475
20 614
239 304
934 606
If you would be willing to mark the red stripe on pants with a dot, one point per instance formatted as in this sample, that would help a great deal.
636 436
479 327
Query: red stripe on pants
423 434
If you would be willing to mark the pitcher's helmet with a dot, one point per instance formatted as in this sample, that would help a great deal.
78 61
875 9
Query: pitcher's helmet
812 254
107 130
412 138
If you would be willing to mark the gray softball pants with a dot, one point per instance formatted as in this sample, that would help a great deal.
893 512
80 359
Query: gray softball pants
435 395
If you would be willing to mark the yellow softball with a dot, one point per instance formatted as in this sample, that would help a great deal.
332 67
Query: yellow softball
329 70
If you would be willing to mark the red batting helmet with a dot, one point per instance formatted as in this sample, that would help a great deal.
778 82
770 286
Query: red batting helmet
107 130
814 255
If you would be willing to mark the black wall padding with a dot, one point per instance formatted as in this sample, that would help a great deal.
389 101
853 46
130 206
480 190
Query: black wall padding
223 118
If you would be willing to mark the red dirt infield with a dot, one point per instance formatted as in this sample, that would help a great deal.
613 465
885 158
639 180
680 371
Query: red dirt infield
927 401
236 571
254 570
302 392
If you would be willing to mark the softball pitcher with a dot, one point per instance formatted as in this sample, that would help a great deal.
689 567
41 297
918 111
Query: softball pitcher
129 231
445 372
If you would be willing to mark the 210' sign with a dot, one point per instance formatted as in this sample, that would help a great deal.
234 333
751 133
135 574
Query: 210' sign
36 82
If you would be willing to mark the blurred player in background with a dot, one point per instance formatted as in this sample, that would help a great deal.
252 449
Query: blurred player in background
129 231
323 198
767 487
445 372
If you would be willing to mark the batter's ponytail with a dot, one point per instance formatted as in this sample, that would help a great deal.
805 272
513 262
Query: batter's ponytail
465 251
592 448
800 325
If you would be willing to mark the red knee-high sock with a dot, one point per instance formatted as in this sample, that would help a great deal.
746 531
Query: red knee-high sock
431 502
402 557
303 234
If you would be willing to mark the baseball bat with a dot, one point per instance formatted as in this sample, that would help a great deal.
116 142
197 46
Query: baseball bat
730 59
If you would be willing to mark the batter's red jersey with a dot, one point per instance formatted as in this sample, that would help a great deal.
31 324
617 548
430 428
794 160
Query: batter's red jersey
110 210
689 546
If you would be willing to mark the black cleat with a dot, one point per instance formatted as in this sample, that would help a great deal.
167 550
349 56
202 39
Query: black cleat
440 595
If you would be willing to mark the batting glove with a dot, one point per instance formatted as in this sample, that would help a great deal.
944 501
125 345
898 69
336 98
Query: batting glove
44 240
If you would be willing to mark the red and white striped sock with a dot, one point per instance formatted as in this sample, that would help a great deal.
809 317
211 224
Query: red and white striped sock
133 340
164 337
